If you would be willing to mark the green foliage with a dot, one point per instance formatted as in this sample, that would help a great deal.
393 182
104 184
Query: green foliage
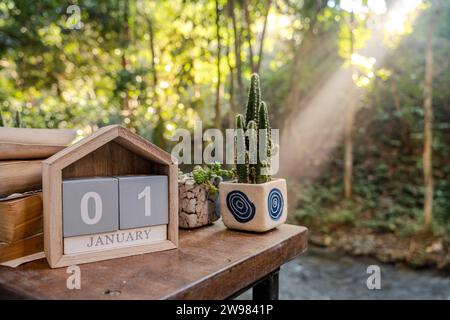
211 176
161 56
201 175
216 170
382 204
388 146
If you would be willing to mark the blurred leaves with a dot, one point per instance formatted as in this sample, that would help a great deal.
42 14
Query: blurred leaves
161 58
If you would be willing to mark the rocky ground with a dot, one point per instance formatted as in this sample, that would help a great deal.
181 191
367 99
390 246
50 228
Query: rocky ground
321 274
418 251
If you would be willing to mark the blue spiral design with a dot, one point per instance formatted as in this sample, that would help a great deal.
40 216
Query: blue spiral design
242 209
275 203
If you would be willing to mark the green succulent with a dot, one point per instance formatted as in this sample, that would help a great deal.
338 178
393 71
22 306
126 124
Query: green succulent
212 175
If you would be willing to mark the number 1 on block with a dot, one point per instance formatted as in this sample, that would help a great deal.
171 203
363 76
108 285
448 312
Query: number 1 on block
146 194
143 201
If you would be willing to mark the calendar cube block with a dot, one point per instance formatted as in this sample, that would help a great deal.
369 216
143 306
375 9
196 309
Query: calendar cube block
90 206
143 201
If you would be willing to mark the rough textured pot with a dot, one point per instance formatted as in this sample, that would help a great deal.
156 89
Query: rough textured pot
253 207
197 205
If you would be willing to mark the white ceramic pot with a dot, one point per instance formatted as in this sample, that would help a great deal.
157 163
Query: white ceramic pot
253 207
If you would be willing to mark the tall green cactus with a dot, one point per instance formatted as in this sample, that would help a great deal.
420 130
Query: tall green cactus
256 168
254 99
18 120
263 165
252 136
242 169
2 122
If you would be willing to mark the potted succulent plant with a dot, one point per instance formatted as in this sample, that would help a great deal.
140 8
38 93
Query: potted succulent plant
255 201
198 195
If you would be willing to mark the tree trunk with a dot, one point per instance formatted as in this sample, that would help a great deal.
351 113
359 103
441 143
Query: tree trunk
232 111
237 51
349 123
263 35
348 148
428 124
152 51
217 119
404 127
305 48
126 103
158 132
249 35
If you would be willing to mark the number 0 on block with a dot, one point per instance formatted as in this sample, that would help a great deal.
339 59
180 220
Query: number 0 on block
90 206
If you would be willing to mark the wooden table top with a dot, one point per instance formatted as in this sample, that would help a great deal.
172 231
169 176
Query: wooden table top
211 263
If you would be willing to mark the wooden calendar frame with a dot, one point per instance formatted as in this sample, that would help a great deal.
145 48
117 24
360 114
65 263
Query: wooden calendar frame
112 150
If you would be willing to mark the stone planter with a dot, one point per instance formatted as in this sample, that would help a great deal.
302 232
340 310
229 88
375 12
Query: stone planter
198 206
253 207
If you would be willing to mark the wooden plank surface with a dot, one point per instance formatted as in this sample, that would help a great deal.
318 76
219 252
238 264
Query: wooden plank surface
21 217
14 151
210 263
21 176
21 248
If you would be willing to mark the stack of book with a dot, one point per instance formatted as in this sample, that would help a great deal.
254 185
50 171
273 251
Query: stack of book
21 220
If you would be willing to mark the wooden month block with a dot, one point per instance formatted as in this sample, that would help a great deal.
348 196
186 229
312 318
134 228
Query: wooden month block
143 201
90 205
115 239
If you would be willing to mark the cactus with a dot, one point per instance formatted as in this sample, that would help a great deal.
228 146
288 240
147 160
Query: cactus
263 165
252 136
254 99
18 120
242 169
256 168
2 122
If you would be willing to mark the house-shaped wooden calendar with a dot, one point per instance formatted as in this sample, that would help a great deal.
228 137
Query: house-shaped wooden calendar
110 195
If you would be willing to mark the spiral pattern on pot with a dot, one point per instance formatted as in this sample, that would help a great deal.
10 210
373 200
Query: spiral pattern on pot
242 209
275 203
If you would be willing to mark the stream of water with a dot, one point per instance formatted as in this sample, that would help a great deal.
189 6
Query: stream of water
319 274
